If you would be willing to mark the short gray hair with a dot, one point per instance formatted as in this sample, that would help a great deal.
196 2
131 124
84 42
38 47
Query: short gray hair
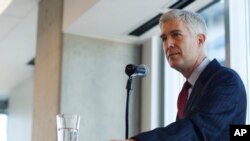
194 21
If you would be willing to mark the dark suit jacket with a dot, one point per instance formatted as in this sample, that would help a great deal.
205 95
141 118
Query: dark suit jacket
218 99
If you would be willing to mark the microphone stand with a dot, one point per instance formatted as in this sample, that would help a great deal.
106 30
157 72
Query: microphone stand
128 87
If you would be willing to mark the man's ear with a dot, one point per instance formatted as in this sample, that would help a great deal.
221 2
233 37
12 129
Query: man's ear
201 39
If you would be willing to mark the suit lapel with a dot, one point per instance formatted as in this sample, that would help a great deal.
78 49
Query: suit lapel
200 84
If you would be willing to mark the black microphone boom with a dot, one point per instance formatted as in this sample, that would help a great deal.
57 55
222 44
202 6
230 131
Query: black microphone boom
136 70
132 70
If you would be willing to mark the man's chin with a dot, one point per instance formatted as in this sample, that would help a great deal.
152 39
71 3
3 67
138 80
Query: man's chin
175 64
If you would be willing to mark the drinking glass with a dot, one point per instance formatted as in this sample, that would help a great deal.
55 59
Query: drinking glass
67 127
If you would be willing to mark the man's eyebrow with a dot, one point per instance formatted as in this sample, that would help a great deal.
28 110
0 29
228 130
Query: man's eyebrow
175 30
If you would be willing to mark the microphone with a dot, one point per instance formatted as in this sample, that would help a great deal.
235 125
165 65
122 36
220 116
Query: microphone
136 70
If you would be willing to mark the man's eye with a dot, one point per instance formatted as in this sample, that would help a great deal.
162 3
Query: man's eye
163 38
176 34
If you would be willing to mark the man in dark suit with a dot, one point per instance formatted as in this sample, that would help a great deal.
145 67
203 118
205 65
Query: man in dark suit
217 96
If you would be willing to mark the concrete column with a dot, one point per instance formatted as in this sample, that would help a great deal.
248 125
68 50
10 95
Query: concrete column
47 77
152 85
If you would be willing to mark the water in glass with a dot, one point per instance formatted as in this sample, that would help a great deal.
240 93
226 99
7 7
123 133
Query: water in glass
67 134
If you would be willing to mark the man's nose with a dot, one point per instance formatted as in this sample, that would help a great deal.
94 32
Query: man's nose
168 43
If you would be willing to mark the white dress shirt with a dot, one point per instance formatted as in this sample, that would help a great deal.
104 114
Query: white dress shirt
196 73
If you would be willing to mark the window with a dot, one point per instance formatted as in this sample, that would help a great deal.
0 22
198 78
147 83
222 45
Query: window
237 40
3 127
215 44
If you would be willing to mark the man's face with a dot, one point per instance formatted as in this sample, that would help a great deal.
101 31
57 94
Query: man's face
180 44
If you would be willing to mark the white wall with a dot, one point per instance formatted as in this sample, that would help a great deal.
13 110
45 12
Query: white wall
20 112
93 86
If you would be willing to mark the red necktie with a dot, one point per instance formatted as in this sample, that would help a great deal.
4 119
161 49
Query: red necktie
182 99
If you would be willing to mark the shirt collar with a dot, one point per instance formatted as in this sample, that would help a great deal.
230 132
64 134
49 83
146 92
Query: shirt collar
197 71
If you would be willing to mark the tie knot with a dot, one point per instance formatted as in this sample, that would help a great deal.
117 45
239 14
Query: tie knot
187 85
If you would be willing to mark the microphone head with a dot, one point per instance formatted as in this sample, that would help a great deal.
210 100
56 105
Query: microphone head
136 70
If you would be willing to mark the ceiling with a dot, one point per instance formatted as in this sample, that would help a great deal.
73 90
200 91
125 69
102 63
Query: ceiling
104 19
